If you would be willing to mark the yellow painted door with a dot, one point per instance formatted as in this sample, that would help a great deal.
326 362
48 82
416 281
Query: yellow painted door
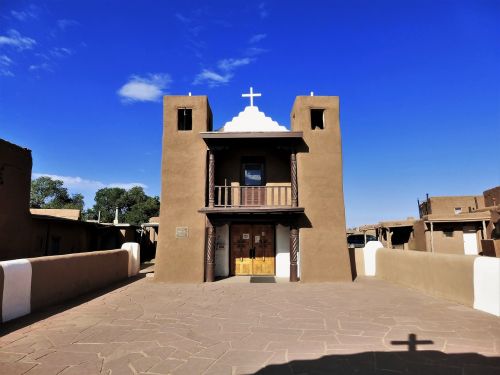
241 246
252 249
263 254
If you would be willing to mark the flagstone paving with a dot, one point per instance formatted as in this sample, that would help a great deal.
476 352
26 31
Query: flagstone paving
364 327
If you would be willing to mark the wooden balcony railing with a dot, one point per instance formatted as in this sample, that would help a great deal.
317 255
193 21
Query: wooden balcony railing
253 196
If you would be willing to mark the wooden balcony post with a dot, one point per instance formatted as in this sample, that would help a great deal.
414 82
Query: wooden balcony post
293 174
294 248
211 253
211 178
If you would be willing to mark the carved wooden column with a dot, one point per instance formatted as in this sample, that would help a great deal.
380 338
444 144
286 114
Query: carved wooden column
293 174
211 253
211 178
294 248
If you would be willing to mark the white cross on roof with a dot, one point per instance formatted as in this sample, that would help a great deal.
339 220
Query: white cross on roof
251 95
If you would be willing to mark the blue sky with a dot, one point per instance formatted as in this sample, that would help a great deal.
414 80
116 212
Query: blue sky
419 86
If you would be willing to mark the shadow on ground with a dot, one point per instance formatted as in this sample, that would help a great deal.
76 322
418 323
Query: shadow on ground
24 321
411 362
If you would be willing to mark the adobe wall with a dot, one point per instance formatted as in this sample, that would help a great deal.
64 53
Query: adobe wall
74 274
184 158
30 284
492 196
322 238
15 185
441 275
420 236
74 237
1 290
446 205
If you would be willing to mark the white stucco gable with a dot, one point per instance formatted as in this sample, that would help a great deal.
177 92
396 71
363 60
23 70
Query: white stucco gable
252 120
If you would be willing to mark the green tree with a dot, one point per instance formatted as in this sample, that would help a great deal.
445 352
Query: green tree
134 205
49 193
106 201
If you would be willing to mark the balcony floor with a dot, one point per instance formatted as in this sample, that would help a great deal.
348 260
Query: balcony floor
252 210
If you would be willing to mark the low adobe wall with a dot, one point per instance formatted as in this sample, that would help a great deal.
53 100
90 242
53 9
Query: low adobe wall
470 280
27 285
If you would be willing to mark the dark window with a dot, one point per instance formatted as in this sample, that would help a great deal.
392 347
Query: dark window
55 244
184 119
448 232
253 175
317 120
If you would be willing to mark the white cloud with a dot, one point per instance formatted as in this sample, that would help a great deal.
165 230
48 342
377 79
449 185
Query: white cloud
78 182
6 73
212 78
5 63
63 24
30 12
226 67
60 52
263 13
43 66
127 185
254 51
145 89
5 60
182 18
15 39
257 38
230 64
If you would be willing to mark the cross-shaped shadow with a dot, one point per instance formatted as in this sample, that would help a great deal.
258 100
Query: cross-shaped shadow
412 342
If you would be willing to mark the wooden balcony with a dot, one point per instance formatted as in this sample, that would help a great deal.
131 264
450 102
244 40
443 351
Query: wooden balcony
253 196
236 199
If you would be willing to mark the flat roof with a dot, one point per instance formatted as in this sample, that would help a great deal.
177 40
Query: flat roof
397 223
239 135
465 217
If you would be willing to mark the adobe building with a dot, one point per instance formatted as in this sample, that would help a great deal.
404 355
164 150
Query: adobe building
491 244
26 233
452 224
397 234
15 182
252 198
447 224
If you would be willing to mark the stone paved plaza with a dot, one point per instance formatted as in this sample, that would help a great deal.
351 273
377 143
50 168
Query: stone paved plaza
243 328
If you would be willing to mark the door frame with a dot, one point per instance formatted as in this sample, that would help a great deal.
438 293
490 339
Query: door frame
251 223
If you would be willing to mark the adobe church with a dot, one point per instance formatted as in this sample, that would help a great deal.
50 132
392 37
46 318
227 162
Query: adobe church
252 198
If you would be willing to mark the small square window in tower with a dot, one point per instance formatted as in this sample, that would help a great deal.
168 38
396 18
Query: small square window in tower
184 119
317 118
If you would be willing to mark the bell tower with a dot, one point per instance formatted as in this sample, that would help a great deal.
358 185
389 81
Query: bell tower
181 240
323 244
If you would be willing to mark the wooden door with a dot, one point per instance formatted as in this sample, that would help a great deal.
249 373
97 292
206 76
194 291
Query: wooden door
252 249
241 245
263 242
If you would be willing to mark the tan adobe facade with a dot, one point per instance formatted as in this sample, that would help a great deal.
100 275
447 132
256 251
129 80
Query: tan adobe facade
451 205
252 198
491 244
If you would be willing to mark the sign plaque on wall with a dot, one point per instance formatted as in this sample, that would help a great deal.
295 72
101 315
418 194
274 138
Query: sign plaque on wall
246 236
181 232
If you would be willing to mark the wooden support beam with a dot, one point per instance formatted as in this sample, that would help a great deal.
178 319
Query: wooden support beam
211 178
211 253
432 237
294 249
293 174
